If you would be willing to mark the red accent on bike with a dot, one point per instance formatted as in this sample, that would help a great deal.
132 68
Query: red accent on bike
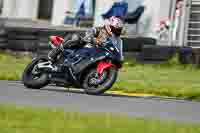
57 40
102 66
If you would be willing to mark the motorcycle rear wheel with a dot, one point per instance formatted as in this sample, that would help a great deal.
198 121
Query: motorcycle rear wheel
30 80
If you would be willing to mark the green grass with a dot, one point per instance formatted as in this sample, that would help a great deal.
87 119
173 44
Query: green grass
168 79
12 66
28 120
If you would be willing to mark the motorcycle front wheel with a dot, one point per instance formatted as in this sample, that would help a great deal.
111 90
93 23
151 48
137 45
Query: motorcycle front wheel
32 78
95 84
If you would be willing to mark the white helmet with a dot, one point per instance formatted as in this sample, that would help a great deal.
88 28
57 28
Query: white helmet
114 25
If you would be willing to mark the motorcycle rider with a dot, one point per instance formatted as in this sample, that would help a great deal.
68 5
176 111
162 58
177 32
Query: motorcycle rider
111 29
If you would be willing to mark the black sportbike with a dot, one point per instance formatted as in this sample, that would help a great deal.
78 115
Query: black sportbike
94 69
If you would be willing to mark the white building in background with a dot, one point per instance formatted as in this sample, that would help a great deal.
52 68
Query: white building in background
59 9
54 10
155 10
20 8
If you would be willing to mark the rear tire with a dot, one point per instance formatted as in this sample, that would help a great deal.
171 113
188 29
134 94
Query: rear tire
28 78
110 79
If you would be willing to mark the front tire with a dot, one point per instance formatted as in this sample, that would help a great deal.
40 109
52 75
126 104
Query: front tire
28 78
104 85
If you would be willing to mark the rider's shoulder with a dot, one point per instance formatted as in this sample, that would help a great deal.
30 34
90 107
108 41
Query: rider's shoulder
96 29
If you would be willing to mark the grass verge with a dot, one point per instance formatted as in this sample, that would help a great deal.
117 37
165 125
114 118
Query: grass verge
168 79
29 120
12 66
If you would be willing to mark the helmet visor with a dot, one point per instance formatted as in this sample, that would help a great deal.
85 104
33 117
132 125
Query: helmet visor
116 31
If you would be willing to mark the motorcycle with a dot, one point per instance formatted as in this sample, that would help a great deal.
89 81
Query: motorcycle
95 72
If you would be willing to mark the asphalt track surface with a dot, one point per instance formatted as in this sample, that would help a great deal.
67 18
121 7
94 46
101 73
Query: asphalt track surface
55 97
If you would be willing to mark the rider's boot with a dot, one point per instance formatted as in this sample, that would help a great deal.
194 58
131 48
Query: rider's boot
53 54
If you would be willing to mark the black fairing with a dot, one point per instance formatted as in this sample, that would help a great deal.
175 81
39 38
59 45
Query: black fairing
80 61
83 58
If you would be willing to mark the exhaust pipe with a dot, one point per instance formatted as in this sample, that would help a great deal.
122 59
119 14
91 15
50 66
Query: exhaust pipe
47 66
